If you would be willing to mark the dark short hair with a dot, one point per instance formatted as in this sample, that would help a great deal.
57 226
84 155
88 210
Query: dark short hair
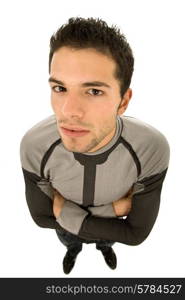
81 33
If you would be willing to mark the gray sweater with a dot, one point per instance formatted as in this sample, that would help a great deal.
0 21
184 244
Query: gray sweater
137 157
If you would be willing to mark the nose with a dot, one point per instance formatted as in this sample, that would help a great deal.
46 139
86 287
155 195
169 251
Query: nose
72 106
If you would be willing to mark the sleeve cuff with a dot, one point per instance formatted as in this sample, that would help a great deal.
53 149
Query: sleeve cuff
71 217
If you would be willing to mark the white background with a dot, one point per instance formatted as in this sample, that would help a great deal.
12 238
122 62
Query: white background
155 31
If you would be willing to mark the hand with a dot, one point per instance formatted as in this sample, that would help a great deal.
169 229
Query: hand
123 205
58 203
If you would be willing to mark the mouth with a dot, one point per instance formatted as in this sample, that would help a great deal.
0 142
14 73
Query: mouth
74 132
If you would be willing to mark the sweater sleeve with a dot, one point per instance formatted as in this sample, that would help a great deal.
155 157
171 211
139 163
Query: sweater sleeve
39 201
72 215
136 227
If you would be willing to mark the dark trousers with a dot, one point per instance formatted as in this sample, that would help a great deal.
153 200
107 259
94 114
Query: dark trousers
74 243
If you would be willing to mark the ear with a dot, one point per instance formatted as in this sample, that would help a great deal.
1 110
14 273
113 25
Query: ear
125 101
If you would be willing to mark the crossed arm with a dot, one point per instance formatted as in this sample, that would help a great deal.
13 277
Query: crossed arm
144 206
141 216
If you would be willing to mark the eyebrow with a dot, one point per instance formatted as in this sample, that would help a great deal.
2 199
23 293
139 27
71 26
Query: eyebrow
84 84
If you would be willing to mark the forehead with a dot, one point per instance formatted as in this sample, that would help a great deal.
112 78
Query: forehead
83 64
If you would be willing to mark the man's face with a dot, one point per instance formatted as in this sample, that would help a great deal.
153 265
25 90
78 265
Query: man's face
86 98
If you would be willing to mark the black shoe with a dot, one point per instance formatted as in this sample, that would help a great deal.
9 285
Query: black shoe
110 257
68 262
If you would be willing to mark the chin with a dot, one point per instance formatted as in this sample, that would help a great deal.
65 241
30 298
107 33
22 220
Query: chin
73 149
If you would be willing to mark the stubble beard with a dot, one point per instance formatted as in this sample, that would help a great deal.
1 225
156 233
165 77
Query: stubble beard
75 148
74 145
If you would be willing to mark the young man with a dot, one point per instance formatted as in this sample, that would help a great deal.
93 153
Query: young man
92 173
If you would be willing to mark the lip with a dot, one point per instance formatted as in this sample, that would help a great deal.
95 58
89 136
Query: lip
77 133
74 128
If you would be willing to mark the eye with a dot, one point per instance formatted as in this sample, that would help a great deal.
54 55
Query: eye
58 88
95 92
